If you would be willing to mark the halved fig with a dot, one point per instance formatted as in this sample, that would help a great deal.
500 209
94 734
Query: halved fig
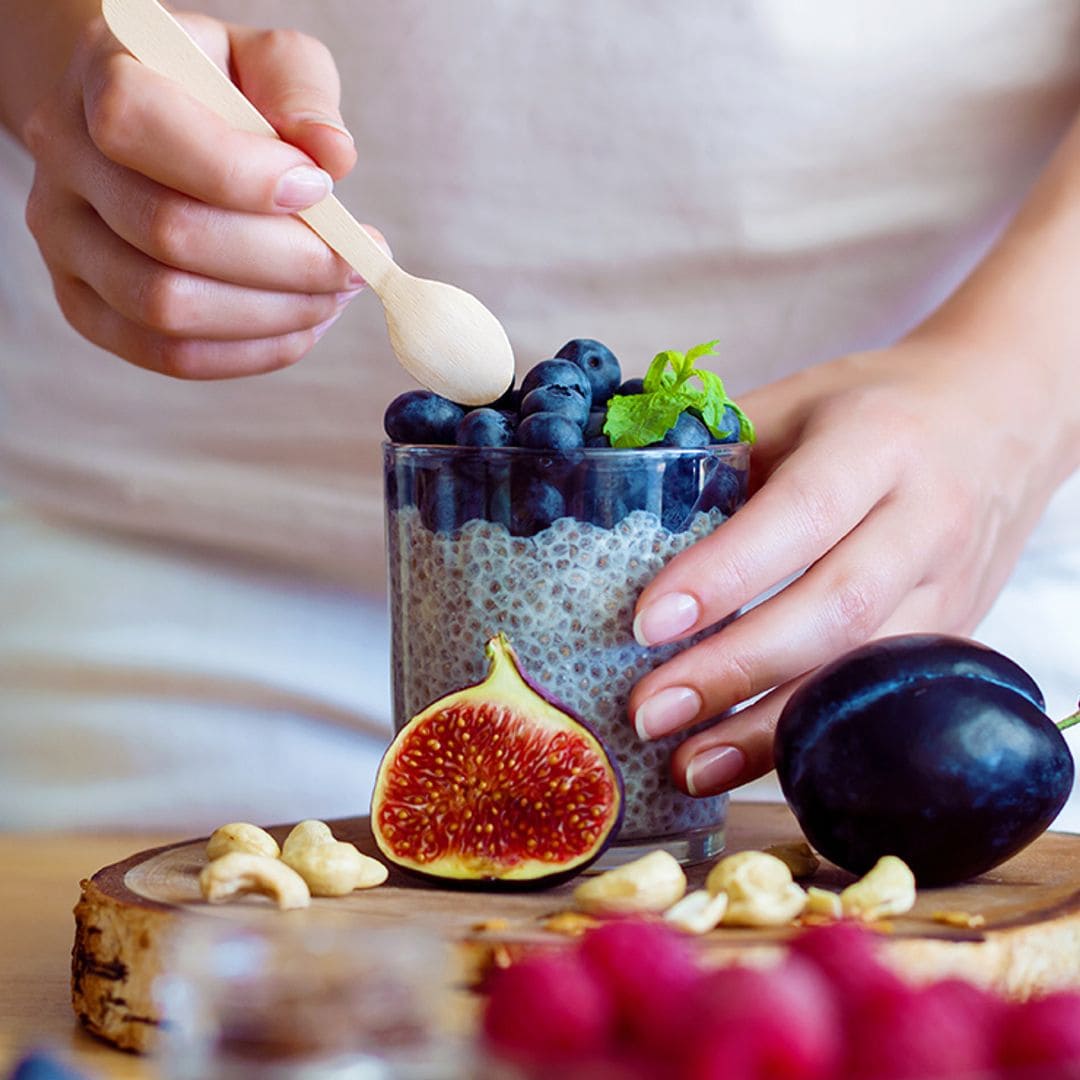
496 784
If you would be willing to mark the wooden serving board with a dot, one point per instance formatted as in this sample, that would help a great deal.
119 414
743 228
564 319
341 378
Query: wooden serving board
1029 942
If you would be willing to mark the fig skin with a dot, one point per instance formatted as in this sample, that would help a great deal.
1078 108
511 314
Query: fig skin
474 774
929 747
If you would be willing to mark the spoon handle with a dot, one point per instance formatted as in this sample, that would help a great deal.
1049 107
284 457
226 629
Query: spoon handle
156 39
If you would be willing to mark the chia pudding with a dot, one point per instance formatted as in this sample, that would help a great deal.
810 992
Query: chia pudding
466 562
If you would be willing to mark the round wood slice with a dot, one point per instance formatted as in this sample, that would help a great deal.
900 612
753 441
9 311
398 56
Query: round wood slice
1027 937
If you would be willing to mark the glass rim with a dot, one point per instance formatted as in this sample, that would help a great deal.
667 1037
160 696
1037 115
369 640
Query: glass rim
713 450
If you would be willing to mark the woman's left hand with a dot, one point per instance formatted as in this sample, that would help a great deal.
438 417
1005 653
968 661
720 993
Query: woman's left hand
905 481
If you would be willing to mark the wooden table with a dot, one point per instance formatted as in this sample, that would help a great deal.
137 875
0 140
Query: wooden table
40 884
38 889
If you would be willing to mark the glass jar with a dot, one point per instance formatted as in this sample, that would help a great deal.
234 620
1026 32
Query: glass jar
552 549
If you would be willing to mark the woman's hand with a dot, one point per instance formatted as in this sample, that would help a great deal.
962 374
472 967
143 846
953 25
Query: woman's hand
905 480
169 236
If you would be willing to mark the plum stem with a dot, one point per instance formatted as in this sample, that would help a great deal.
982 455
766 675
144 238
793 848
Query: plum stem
1069 721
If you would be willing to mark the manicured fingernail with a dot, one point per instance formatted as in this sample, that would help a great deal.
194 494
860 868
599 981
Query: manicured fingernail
326 324
322 121
302 187
714 770
344 297
666 711
666 618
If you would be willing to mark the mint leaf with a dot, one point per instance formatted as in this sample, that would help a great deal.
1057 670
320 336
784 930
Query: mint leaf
698 351
635 420
640 419
658 376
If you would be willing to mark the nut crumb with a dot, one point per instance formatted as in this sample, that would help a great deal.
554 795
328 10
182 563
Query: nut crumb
490 925
569 923
964 919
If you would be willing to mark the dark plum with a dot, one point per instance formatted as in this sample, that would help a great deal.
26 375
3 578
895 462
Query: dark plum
557 373
549 431
599 364
556 399
925 746
485 427
422 416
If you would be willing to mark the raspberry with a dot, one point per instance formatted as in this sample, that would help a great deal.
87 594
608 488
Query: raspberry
649 971
549 1008
1042 1034
781 1023
846 954
942 1029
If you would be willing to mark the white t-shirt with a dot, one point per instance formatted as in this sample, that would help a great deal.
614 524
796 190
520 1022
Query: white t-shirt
796 180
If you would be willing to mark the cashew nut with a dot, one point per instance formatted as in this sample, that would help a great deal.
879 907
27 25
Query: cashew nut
797 856
652 883
887 889
307 834
759 888
335 868
823 902
697 912
240 836
237 873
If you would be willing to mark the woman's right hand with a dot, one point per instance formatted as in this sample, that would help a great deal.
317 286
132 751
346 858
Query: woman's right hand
170 236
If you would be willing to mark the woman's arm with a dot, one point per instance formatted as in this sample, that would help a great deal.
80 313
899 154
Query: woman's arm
906 479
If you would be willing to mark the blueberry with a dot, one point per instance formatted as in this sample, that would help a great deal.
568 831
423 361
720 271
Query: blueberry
549 431
595 425
688 433
484 427
448 498
39 1066
557 373
537 503
730 428
421 416
607 490
599 364
632 386
556 399
508 401
681 489
725 489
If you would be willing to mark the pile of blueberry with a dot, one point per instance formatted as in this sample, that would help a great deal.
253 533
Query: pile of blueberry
559 407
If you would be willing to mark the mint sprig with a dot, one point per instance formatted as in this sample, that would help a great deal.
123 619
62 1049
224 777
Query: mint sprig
673 384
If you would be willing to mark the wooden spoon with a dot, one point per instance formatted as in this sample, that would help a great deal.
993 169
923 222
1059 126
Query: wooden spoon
444 337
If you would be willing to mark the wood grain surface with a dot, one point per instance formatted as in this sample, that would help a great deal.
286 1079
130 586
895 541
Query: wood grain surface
1029 940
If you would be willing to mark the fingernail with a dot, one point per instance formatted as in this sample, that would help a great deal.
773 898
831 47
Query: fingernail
714 770
666 618
666 711
302 187
322 121
326 324
344 297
